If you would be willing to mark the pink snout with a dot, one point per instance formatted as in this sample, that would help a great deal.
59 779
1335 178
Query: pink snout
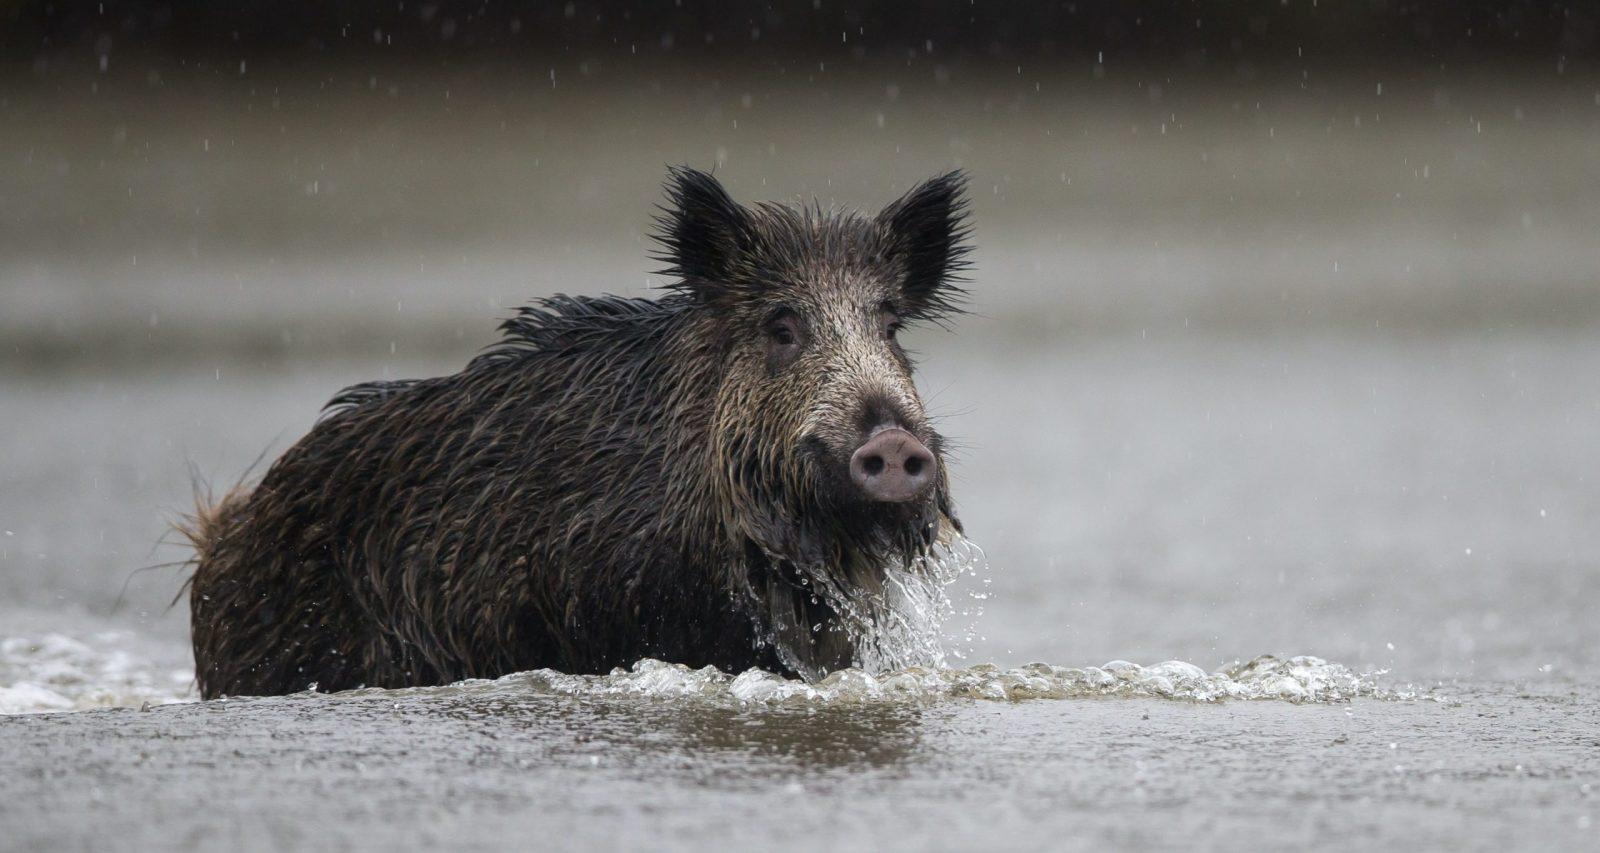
892 466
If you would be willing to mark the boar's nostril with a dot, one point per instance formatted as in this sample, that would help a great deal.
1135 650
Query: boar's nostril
892 466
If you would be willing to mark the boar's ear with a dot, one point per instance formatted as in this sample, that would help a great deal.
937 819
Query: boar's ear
704 235
926 235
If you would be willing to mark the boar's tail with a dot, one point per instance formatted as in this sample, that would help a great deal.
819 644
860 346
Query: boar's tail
204 529
205 526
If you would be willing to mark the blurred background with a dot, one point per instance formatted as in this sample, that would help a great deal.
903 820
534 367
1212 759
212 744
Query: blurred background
1284 332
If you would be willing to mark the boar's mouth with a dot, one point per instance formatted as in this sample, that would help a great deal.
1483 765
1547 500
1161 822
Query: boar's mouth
815 576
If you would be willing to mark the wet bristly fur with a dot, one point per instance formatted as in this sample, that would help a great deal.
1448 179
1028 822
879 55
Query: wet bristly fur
616 479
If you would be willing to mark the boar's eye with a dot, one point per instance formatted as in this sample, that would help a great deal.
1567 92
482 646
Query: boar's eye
783 335
889 319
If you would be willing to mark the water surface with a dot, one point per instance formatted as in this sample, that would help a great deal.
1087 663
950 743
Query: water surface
1292 367
1412 512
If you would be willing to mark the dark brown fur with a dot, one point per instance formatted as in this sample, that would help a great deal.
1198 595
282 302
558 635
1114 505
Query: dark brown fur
617 479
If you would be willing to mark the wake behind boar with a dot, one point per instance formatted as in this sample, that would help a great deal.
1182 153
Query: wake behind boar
725 475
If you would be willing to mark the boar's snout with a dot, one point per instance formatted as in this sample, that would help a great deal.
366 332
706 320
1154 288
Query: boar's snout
892 466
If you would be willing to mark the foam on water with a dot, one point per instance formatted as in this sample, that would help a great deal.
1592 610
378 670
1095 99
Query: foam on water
55 672
58 673
1299 679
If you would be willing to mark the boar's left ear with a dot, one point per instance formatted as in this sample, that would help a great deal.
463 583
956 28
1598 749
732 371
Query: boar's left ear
704 235
926 234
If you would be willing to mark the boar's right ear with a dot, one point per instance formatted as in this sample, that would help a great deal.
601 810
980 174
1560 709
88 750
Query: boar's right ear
704 235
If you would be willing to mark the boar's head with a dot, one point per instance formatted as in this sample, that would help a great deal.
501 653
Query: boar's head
824 452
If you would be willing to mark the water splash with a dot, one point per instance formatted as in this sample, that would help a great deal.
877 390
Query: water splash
54 672
912 627
1300 679
57 673
867 615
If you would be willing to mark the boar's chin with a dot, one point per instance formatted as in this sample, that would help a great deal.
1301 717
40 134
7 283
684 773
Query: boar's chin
818 584
823 536
889 530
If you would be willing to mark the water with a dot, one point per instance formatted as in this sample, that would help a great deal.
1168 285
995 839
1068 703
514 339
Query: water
1278 431
56 672
1299 679
472 767
1210 500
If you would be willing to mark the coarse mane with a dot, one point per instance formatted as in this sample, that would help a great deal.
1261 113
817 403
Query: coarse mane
563 325
558 325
